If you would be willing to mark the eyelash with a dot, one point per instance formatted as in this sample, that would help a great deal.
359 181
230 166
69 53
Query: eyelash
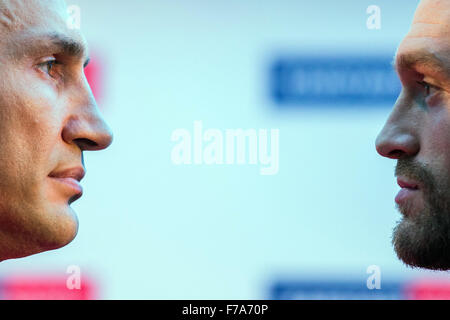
50 64
427 87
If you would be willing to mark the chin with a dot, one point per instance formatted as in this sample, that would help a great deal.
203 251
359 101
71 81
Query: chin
63 231
35 223
57 230
43 239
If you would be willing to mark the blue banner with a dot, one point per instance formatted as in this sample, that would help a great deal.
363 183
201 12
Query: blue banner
334 81
335 290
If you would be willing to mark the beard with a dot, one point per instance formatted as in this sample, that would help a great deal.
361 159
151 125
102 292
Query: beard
423 240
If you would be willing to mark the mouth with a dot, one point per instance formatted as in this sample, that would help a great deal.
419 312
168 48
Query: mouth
68 181
409 189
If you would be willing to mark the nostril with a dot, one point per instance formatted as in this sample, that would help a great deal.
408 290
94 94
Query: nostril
396 154
86 144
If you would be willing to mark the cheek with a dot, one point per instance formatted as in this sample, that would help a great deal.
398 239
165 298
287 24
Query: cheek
29 127
435 142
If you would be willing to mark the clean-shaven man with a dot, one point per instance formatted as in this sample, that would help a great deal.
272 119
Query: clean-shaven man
48 118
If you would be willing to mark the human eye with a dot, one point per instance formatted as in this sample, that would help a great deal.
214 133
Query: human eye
429 88
49 66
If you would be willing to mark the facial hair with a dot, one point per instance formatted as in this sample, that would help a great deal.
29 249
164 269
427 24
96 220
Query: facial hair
423 240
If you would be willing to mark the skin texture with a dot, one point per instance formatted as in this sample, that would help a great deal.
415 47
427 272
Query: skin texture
48 117
417 135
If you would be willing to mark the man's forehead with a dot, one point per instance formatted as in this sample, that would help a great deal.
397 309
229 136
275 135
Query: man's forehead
431 19
28 27
427 44
437 11
17 15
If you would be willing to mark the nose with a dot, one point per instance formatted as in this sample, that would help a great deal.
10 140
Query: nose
398 138
85 126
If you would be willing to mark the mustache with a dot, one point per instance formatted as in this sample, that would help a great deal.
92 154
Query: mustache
416 171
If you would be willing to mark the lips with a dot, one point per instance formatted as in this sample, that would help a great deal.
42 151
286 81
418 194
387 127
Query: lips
77 174
409 190
69 182
407 184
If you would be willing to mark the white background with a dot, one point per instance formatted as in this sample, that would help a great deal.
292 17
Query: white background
152 230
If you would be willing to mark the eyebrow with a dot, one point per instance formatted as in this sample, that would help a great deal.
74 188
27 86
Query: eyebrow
55 42
422 58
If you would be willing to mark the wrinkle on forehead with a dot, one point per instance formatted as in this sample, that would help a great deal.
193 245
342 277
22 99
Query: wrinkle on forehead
16 15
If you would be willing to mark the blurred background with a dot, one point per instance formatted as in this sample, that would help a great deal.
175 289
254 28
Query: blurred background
319 228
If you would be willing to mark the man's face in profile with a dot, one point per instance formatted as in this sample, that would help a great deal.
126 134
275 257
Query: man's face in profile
417 134
48 117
